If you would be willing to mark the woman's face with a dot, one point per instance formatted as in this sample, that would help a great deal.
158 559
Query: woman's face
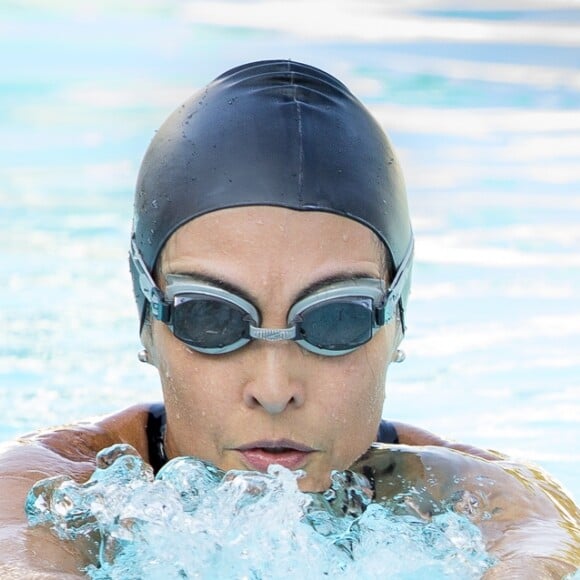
272 402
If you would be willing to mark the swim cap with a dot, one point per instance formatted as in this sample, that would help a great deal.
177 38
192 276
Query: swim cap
277 133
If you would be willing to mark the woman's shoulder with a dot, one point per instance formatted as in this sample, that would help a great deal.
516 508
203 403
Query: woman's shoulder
526 519
76 444
412 435
68 450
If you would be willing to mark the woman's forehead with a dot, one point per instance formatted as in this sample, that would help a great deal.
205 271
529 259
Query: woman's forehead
274 234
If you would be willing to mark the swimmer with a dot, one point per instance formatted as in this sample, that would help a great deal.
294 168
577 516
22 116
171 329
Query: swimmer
271 259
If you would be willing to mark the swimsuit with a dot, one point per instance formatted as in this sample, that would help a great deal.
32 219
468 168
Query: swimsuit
157 424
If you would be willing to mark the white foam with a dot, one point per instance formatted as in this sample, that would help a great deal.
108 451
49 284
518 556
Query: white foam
194 520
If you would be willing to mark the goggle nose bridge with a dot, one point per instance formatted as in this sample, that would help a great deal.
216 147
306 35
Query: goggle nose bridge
273 334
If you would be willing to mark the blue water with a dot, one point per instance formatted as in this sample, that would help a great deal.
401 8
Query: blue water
484 110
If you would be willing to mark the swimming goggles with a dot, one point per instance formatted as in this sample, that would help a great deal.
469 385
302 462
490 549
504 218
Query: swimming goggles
332 321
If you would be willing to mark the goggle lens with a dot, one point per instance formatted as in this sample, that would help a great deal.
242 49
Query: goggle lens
337 325
208 323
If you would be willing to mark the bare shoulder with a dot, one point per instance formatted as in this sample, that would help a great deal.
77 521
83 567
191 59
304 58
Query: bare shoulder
527 520
66 450
411 435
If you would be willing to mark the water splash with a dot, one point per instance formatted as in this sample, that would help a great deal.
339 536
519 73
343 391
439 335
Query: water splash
194 521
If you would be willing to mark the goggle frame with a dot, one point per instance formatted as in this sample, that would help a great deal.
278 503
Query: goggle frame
383 303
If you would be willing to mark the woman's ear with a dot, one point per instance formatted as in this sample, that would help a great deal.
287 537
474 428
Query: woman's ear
147 354
398 354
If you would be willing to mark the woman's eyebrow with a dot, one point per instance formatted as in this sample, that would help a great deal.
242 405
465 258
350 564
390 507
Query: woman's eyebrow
327 281
220 283
242 293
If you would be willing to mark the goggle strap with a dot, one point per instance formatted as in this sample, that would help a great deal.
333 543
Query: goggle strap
161 310
380 315
151 291
396 287
385 311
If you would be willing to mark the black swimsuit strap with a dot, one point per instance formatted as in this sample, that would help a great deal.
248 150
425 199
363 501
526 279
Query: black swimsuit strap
387 433
157 423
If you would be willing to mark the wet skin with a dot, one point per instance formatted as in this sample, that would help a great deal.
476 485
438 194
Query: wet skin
272 402
534 529
527 522
275 402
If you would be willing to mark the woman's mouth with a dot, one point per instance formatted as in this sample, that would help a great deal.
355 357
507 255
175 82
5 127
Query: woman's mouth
259 455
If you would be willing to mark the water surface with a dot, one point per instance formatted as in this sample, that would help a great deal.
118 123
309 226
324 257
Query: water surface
483 106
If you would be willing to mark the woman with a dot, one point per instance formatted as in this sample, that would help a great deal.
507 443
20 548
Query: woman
271 257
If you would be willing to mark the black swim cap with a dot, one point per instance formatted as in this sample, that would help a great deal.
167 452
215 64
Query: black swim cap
276 133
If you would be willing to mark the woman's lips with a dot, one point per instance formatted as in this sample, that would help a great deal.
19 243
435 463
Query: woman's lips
259 455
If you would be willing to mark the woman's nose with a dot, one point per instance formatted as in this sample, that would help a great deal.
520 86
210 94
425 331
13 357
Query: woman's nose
275 379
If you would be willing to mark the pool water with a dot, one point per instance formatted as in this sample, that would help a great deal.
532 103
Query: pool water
483 107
